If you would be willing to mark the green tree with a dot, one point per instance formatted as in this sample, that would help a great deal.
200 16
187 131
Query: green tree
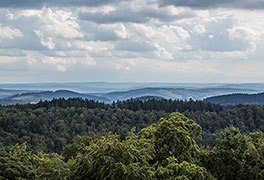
236 156
109 158
16 164
184 170
174 137
51 166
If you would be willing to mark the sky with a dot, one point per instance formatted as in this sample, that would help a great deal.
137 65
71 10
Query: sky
191 41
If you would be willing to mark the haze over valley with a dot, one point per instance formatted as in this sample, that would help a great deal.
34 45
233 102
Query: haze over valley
109 92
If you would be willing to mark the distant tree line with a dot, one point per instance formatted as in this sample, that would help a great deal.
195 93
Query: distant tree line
235 99
167 105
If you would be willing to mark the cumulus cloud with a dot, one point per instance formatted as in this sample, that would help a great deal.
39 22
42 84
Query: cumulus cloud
58 23
38 29
7 32
47 42
62 64
199 29
122 38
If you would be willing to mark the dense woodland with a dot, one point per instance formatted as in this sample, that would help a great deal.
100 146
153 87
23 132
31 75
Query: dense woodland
133 139
235 99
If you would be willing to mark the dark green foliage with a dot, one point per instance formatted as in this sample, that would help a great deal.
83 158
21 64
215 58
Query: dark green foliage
142 156
50 166
52 129
248 118
50 126
164 150
71 102
236 156
109 158
175 137
11 167
235 99
167 105
184 170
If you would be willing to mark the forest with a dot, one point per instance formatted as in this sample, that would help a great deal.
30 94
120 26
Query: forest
234 99
133 139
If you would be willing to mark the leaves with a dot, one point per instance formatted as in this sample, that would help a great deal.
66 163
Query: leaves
175 137
166 150
236 156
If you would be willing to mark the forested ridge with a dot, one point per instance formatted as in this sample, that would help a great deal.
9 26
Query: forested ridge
133 139
234 99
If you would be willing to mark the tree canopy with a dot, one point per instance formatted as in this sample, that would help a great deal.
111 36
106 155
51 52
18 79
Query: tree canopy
166 149
93 142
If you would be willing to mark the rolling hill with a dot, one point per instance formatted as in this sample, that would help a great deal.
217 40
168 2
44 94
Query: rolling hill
23 97
234 99
34 97
173 93
4 93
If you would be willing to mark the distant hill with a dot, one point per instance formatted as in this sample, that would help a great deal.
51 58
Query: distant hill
34 97
4 93
104 87
173 93
234 99
22 97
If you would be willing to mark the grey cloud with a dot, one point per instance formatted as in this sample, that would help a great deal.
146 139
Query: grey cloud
245 4
203 4
125 15
41 3
120 16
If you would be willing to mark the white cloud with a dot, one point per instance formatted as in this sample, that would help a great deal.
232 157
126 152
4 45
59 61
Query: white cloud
125 38
244 33
47 42
121 31
199 29
179 31
62 64
162 52
7 32
59 23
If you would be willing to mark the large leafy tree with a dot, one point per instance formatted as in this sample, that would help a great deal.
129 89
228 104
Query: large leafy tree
175 151
174 136
146 155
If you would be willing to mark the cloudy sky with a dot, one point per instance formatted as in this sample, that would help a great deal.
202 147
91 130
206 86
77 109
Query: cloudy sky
131 41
